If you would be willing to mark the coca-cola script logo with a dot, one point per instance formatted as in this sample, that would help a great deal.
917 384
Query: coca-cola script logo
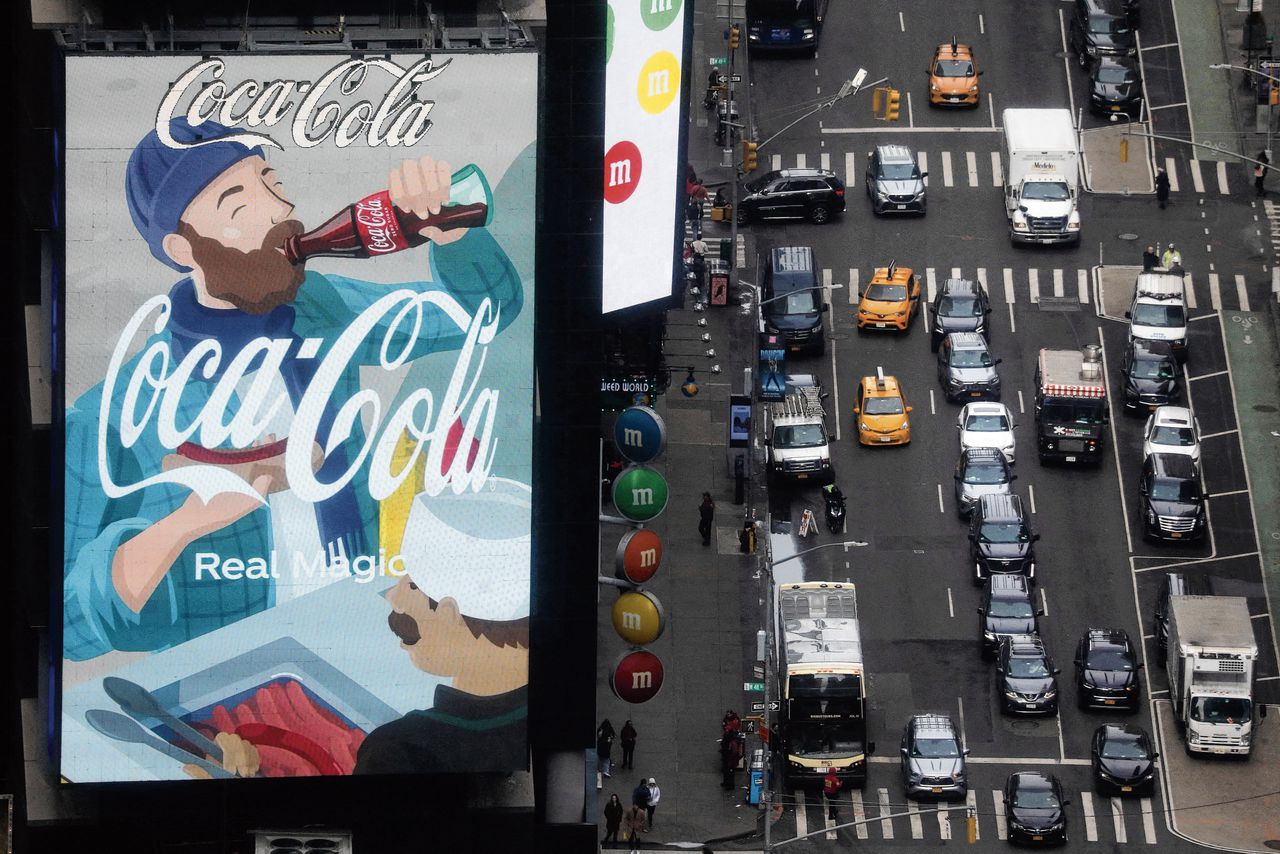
376 221
399 118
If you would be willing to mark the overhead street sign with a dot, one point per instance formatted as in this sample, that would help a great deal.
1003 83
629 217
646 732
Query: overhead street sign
717 60
757 706
1269 63
725 78
752 686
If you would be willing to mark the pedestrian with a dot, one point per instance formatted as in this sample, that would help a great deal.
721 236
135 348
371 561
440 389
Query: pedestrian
706 515
612 820
604 748
731 722
628 736
831 787
1259 177
655 794
1149 259
1170 257
640 794
1162 187
747 538
731 751
633 826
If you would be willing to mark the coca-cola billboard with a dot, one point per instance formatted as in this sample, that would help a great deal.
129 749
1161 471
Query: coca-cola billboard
298 387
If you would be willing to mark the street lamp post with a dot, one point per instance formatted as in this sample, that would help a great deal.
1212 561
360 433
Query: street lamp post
766 796
1256 73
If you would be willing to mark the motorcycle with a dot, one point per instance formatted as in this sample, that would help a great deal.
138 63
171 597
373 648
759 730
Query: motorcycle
835 512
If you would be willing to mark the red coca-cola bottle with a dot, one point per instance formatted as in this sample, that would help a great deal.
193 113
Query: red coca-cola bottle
374 226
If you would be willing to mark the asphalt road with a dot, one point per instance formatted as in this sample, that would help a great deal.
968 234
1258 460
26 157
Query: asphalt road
920 629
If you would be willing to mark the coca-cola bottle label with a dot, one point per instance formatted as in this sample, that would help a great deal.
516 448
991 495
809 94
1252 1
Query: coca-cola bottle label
377 226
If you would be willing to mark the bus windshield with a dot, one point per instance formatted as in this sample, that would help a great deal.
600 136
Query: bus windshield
788 12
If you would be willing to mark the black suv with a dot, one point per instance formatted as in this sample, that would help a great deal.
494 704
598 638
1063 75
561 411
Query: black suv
1000 539
1170 502
1150 374
1028 679
1174 584
1006 609
792 304
1107 671
813 194
895 183
966 369
979 472
1115 86
960 306
1034 809
1100 28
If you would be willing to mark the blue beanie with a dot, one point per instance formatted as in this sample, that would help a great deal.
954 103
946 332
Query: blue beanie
161 181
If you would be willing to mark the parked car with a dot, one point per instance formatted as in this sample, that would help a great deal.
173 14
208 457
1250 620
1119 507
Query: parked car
1000 539
1100 28
813 194
1115 86
961 305
1035 809
1107 671
987 425
1150 373
1123 760
894 181
1171 505
1028 681
966 368
979 472
932 759
1005 610
1171 430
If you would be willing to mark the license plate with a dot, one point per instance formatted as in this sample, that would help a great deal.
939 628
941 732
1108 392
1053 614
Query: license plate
1028 705
879 326
1177 535
1126 788
1108 702
1037 838
902 207
1071 459
1115 109
937 790
801 476
1046 241
823 769
1217 750
975 394
886 438
796 348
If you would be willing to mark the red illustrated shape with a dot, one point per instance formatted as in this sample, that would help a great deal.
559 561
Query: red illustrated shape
622 166
451 444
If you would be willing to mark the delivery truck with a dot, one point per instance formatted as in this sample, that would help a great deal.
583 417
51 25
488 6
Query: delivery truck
1041 180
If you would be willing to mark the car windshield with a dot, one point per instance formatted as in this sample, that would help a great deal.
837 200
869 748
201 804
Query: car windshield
1124 747
984 473
1072 412
987 423
883 406
800 302
898 171
1155 314
825 739
763 181
1115 74
1035 799
1182 437
800 436
1107 25
1027 668
1016 608
1003 532
1221 710
953 68
971 359
959 307
936 748
1045 191
1150 369
1108 659
1175 490
886 293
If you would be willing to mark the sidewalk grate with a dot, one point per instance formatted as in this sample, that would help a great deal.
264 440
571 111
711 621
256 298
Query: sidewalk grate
1059 303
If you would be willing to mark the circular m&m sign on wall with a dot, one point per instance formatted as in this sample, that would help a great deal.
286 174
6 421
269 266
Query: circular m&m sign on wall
637 677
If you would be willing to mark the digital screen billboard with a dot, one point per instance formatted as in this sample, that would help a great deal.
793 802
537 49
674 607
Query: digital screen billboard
645 47
298 390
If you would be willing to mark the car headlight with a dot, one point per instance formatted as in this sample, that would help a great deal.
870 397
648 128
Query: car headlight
957 776
807 33
990 636
826 464
934 87
1011 695
862 425
1245 738
1128 689
1090 50
1049 695
915 777
973 90
955 383
1192 736
882 195
1019 225
898 314
1073 225
1151 516
1007 449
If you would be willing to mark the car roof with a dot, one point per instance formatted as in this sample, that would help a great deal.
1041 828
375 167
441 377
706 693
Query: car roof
1177 416
933 723
792 258
895 152
1124 729
970 456
1118 637
957 287
1115 62
1002 508
1174 466
962 51
901 275
871 387
802 173
1024 645
1008 585
1032 779
986 407
1147 349
967 341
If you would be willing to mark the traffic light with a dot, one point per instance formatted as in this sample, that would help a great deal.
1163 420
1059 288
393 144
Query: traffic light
735 35
750 160
893 102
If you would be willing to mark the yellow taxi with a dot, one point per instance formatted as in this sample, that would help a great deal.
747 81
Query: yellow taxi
953 76
891 299
880 411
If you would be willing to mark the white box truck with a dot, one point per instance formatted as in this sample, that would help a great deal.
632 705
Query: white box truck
1041 179
1211 660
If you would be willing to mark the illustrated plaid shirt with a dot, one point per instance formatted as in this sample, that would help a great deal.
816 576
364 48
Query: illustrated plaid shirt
95 619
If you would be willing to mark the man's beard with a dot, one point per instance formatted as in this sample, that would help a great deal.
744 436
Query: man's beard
255 281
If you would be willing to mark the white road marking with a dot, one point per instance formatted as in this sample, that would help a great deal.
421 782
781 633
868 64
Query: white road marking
1090 823
982 25
824 160
1059 290
1008 287
1023 760
1222 178
1215 293
801 161
1171 169
933 409
982 279
1148 821
1190 291
1034 276
1013 325
997 172
902 23
941 509
859 813
991 109
1205 377
886 826
1031 489
944 822
1044 606
956 272
947 179
775 162
997 797
911 113
1022 409
1242 293
827 819
971 802
971 160
850 168
1234 492
1197 180
963 737
931 283
878 129
1082 285
853 286
951 605
917 828
1117 819
835 381
923 159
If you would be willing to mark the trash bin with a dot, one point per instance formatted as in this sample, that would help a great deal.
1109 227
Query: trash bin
718 282
757 777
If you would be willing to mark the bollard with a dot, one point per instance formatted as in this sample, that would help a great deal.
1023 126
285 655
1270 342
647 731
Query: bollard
1124 150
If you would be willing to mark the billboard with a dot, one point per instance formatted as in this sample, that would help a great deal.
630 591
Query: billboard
298 348
645 51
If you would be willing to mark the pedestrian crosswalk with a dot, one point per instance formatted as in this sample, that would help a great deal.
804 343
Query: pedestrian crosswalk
1032 285
882 815
976 168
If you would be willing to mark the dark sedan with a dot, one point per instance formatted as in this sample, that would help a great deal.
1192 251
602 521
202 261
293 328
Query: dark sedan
1150 374
1115 86
1034 809
1107 671
1123 761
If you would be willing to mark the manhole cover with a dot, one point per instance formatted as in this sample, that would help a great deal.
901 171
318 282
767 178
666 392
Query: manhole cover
1263 407
1127 236
1059 303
